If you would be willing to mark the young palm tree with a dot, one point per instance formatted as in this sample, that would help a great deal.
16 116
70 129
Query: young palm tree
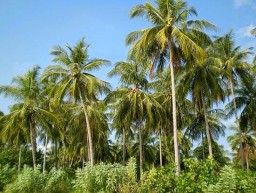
132 104
170 32
246 103
75 82
243 139
196 130
28 112
13 132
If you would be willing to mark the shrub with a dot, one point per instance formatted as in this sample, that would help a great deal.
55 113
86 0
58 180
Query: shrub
58 181
28 181
7 175
105 178
161 180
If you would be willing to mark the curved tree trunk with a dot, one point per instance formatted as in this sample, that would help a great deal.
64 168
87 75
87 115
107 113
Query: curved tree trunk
174 113
208 135
45 151
33 142
237 122
91 152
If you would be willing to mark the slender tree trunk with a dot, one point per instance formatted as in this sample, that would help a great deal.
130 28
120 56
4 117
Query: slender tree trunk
237 121
208 135
140 150
33 142
124 145
247 164
19 158
56 153
71 162
160 149
174 116
91 153
45 151
202 135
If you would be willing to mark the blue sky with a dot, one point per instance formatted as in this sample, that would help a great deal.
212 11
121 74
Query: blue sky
29 29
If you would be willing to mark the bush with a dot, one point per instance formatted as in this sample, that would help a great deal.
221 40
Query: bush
34 181
28 180
231 181
159 180
195 174
7 175
106 178
58 181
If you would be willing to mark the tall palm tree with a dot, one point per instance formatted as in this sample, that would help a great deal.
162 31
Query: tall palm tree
243 139
234 64
28 112
170 32
132 103
246 103
162 93
75 82
203 83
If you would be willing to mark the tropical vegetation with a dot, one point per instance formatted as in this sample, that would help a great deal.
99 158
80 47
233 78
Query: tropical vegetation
157 131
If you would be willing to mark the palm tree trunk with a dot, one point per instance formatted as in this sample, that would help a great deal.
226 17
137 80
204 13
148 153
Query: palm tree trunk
208 135
33 142
124 145
56 154
45 151
91 153
247 164
174 116
202 135
237 121
19 158
140 150
160 149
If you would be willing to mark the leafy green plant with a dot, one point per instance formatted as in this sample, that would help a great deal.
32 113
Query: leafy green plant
7 175
161 180
105 178
28 181
58 181
196 174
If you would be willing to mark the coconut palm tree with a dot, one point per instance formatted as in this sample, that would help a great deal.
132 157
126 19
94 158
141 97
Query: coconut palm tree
27 111
132 103
170 32
203 84
13 132
196 130
233 61
162 93
75 82
244 138
246 103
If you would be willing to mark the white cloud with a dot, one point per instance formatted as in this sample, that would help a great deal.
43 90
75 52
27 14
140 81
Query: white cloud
245 31
239 3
